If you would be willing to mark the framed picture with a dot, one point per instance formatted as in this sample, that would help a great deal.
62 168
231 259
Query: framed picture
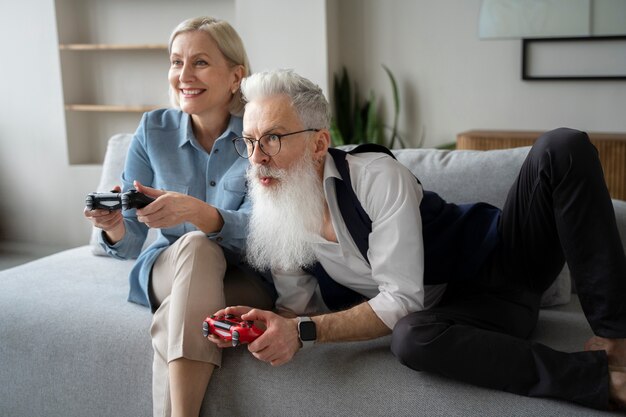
574 58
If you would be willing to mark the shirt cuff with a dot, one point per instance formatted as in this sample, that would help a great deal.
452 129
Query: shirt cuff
119 250
388 309
235 225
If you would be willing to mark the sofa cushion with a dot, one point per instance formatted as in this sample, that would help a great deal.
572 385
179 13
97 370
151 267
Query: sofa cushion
463 176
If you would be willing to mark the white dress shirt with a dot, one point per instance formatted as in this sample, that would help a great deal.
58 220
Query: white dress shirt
393 278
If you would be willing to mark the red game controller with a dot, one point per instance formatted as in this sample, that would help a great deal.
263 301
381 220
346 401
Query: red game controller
230 327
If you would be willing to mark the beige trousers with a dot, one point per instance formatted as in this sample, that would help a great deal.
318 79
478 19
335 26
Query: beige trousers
188 283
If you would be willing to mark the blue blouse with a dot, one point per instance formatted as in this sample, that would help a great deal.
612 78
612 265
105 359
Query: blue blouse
165 154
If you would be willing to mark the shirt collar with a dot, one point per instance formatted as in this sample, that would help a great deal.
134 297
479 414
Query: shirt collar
330 169
330 172
234 128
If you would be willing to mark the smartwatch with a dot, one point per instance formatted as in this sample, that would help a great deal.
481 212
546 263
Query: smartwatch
307 332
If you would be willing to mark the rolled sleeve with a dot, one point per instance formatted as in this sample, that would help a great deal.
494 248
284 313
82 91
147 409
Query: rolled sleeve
392 199
387 308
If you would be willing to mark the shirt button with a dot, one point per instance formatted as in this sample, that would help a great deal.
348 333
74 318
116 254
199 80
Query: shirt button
212 183
219 238
216 150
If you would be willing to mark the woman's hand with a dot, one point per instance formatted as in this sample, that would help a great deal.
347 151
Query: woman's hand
168 209
171 208
110 221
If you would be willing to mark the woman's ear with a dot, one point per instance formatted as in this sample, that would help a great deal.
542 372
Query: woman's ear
238 72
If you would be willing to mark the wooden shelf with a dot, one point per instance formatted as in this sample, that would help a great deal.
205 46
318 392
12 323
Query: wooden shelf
111 47
110 108
113 70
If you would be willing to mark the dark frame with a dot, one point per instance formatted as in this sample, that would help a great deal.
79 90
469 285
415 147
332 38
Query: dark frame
527 44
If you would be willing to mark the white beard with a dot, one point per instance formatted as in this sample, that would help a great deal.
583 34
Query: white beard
285 217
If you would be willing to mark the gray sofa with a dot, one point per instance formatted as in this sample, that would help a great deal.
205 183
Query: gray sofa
71 345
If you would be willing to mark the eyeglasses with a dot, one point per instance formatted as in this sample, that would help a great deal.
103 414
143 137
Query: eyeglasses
269 143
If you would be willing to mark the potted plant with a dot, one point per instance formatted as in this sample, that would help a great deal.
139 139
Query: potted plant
357 122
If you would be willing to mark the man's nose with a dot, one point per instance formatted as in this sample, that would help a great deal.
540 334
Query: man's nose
258 156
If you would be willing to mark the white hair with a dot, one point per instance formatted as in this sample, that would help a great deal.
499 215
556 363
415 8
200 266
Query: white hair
307 98
285 220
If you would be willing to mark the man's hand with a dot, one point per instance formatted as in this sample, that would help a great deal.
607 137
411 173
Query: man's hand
279 342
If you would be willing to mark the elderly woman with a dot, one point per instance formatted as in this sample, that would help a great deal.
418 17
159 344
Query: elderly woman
184 159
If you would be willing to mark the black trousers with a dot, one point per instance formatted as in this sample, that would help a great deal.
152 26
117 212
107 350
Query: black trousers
558 209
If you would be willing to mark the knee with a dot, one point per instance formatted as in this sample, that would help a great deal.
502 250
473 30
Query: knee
414 340
198 242
566 151
565 142
194 239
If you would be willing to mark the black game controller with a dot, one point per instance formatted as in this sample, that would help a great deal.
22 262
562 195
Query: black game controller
133 199
104 201
115 201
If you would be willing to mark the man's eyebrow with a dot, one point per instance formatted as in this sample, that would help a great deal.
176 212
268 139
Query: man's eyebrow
265 132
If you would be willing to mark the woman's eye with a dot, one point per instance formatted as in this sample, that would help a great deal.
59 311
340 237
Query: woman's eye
176 62
201 62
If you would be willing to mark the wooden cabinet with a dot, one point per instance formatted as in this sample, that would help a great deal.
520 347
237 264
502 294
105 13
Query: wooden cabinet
611 151
114 63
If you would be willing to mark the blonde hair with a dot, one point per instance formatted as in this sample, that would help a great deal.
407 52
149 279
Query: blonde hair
229 44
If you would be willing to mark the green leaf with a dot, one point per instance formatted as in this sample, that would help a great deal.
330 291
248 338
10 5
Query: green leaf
343 103
372 125
358 122
396 106
335 134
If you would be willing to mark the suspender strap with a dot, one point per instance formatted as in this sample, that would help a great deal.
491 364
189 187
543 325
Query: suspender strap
357 221
336 296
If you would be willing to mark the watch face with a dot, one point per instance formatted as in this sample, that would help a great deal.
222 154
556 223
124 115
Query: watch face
307 331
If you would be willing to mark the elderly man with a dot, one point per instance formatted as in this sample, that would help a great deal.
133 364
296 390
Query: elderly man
359 250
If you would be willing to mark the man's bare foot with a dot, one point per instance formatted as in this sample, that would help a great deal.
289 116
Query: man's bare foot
615 349
617 387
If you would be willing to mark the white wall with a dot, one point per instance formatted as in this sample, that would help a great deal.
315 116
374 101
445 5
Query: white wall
450 81
285 34
42 195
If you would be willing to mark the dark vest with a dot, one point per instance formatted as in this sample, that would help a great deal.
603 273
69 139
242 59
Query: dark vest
457 238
